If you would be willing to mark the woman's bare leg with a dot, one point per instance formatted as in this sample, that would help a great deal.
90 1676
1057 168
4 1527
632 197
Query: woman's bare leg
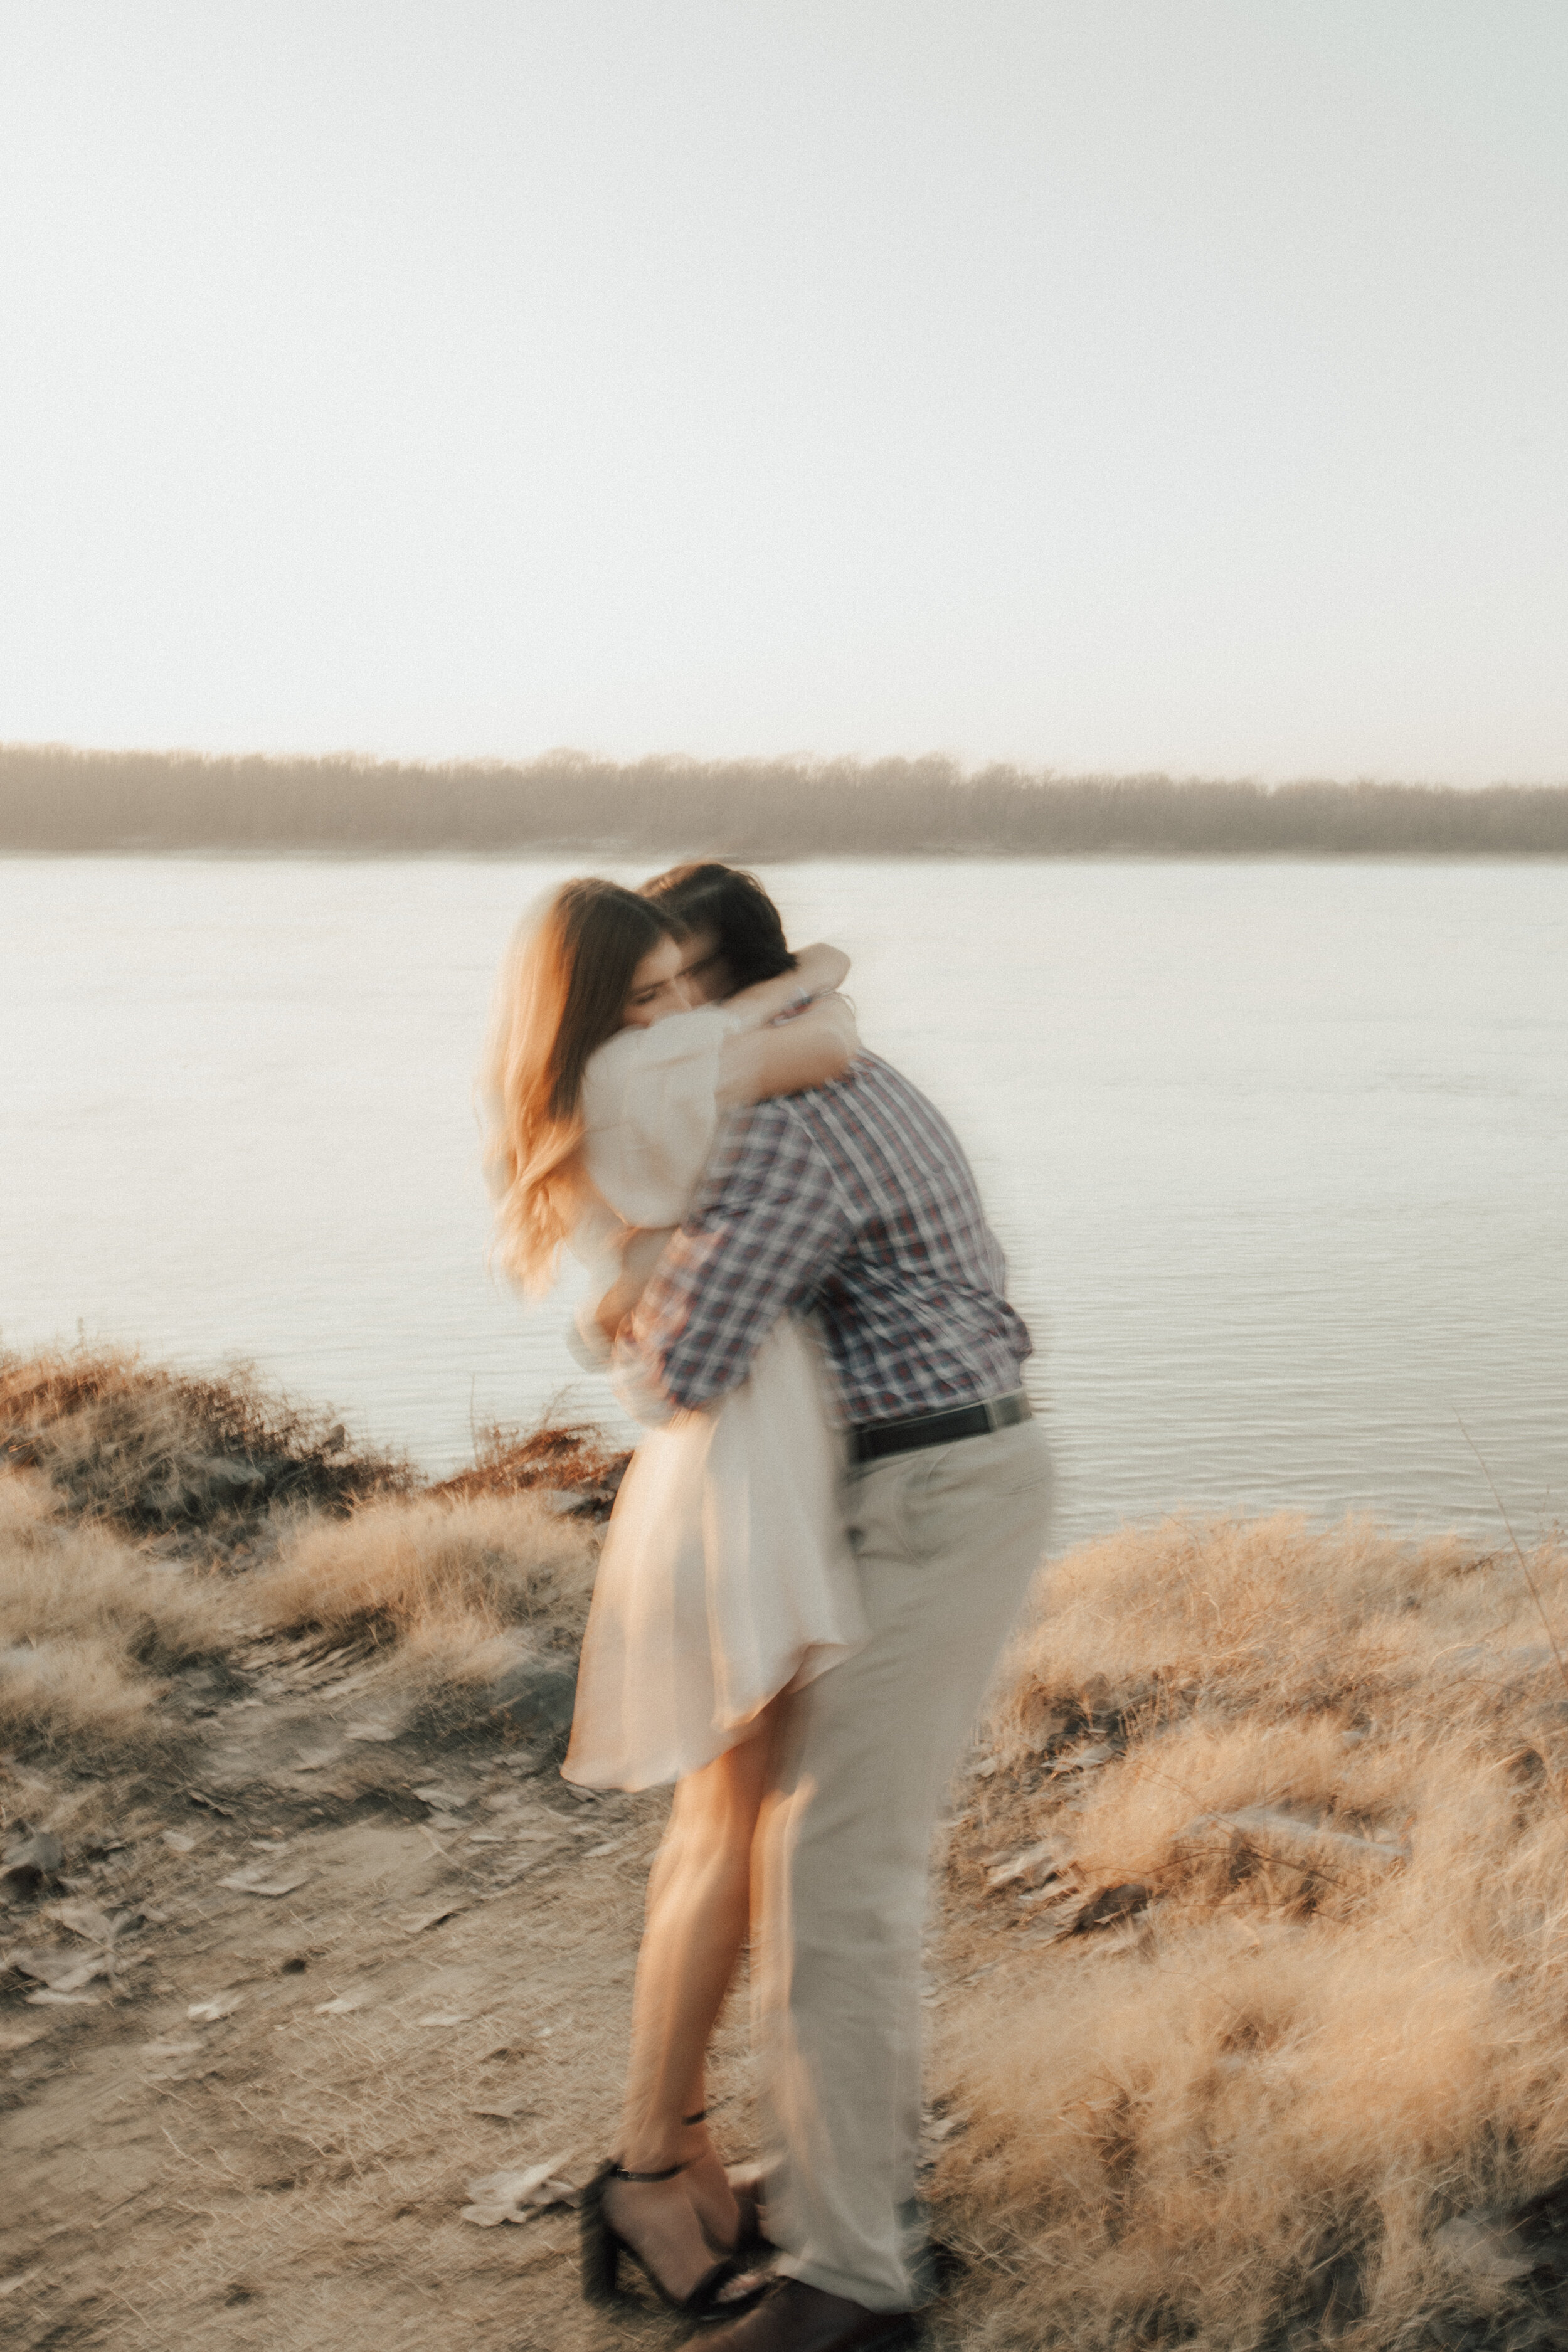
697 1912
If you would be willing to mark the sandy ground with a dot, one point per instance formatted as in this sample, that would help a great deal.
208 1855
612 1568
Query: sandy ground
1245 1988
256 2129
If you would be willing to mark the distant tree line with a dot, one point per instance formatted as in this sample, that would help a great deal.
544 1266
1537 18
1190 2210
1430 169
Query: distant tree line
55 800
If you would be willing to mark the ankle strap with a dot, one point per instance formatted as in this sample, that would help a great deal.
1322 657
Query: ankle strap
699 2117
619 2172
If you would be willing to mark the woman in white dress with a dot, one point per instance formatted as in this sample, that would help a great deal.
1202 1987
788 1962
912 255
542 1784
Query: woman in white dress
725 1582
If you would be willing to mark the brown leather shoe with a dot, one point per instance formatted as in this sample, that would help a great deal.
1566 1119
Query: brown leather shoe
799 2318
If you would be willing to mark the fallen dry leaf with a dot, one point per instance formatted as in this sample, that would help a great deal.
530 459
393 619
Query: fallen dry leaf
179 1841
63 1971
84 1919
1032 1867
341 2007
445 1800
1286 1837
1059 1894
443 2017
223 2004
63 2000
28 1861
1479 2243
244 1882
432 1919
516 2196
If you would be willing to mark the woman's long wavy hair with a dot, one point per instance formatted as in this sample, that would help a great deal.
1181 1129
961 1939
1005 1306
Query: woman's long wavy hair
562 992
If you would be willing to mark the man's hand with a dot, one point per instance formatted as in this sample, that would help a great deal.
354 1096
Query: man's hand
640 1252
618 1302
789 1057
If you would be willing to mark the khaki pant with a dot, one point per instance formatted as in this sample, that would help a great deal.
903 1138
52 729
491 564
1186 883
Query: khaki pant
946 1540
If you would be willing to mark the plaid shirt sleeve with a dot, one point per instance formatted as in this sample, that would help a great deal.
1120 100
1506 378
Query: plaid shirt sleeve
759 1236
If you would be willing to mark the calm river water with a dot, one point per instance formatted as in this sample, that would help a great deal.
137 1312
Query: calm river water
1278 1151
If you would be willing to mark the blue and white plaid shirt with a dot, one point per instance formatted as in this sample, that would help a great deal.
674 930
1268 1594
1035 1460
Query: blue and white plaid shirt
853 1203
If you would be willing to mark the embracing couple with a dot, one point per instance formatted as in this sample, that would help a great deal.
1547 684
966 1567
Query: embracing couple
813 1562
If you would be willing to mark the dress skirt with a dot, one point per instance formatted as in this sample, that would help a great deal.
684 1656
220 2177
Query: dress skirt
725 1578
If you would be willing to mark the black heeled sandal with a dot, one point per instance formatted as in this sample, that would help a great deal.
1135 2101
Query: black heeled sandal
602 2245
749 2236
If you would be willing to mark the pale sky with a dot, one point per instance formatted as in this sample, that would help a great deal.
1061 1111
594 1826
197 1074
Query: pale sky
1117 384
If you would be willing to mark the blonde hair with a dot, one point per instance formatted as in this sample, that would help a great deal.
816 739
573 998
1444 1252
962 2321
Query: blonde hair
561 993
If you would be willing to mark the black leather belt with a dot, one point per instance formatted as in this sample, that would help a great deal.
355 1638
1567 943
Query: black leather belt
872 1439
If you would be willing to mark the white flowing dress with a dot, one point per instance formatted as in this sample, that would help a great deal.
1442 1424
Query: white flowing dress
725 1576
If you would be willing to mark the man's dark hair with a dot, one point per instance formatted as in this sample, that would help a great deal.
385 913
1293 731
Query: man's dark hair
736 908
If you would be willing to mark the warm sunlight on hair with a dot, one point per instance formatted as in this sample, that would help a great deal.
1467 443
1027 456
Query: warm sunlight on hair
566 984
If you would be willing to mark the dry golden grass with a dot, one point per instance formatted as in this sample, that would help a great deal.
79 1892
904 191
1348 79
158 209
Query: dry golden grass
134 1484
1291 2099
567 1458
206 1462
87 1626
1330 2034
443 1581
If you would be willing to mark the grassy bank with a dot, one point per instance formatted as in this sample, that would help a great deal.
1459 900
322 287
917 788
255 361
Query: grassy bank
149 1521
1249 1974
59 801
1307 2081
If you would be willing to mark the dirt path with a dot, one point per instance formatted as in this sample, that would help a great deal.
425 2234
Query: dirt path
258 2128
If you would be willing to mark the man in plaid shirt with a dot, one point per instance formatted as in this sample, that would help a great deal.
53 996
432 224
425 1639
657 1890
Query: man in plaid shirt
854 1204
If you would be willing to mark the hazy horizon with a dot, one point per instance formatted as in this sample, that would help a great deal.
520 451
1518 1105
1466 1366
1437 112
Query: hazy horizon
1114 390
56 801
679 756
